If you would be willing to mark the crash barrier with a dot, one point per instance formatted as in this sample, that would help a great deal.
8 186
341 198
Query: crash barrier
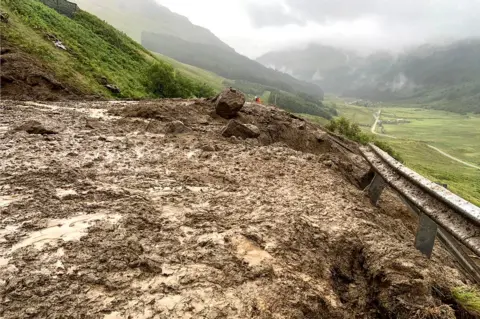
442 214
62 6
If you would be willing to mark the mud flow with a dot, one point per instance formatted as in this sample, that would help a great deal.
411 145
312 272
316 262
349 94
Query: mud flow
110 216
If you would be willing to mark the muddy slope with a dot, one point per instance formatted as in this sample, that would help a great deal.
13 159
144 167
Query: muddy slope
112 218
24 77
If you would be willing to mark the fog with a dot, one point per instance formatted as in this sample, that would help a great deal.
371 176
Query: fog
255 27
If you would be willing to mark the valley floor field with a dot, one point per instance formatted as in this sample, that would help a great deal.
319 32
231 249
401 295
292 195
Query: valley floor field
442 146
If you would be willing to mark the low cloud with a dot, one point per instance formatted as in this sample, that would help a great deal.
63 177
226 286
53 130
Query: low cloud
271 15
406 20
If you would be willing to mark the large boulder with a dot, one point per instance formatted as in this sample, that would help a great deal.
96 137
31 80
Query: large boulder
237 129
229 103
113 88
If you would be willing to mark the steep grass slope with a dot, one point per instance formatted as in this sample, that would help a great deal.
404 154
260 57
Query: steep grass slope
135 16
96 53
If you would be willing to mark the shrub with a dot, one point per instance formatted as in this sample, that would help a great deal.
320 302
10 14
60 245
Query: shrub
352 131
164 81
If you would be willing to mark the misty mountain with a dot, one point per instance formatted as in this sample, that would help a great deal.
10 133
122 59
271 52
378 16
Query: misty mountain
134 17
163 31
226 63
442 76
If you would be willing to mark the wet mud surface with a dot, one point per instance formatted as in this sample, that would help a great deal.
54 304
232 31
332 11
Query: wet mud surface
113 218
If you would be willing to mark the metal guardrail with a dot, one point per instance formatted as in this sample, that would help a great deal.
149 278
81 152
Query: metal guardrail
437 207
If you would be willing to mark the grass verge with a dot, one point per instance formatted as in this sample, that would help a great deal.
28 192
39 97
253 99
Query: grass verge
468 298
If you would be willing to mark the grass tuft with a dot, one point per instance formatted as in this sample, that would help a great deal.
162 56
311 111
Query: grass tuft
468 298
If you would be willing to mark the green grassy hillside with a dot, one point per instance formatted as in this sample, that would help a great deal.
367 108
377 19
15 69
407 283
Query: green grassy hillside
95 52
226 63
135 16
215 81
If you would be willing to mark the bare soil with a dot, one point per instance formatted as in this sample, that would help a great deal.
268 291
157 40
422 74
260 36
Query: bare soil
24 77
113 218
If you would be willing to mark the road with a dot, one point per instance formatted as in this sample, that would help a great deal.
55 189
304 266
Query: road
453 158
374 128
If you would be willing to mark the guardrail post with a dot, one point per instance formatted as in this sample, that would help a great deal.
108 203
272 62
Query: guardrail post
376 188
426 233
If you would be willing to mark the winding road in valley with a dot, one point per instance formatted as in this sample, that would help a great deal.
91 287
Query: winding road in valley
453 158
374 128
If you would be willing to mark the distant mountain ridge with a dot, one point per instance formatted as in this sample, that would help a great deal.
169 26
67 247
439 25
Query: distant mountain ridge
134 17
440 76
226 63
165 32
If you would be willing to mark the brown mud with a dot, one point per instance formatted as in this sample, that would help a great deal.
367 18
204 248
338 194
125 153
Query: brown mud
113 218
24 77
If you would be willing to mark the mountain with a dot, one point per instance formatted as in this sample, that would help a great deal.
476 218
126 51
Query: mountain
438 76
46 55
134 17
311 63
226 63
170 34
98 53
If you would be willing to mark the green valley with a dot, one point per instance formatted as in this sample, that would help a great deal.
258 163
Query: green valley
417 136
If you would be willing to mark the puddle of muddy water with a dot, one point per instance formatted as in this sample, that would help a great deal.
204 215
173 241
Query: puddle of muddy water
98 113
3 261
3 129
65 229
8 199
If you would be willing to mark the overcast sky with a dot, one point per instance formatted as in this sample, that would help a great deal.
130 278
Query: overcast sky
254 27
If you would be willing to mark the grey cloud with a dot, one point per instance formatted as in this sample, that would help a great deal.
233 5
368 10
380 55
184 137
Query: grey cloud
421 18
401 23
270 15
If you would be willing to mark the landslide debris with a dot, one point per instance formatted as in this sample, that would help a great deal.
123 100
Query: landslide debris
229 103
240 130
24 77
126 221
35 127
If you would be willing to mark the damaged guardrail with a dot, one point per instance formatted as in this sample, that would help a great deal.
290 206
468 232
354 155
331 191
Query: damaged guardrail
437 207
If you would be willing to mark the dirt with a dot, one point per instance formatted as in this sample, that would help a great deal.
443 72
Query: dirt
113 218
24 77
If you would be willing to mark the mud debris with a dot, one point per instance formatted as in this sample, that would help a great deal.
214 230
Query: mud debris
143 224
35 127
177 127
240 130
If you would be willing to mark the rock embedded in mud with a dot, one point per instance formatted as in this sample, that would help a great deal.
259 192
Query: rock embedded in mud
4 17
113 88
321 136
237 129
35 127
254 129
229 103
92 123
299 124
177 127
